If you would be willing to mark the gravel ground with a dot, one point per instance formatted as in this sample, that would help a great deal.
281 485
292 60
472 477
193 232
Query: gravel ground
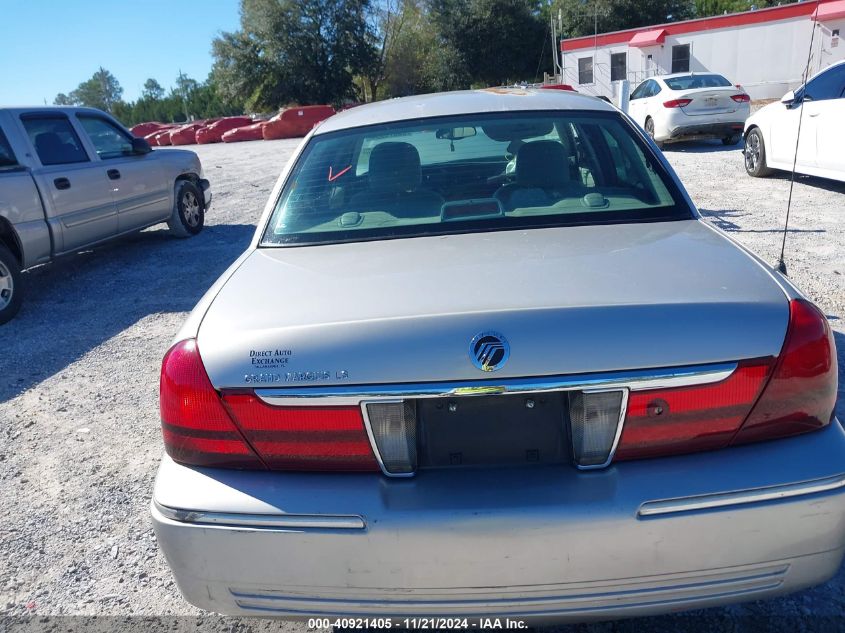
79 433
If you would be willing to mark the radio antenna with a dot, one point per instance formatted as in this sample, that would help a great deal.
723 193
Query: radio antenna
781 267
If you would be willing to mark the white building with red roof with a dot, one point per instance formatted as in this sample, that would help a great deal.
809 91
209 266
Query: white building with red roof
765 51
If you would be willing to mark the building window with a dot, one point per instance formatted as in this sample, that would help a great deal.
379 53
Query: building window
680 58
618 66
585 70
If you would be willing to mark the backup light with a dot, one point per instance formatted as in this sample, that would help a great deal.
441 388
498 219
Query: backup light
393 429
594 419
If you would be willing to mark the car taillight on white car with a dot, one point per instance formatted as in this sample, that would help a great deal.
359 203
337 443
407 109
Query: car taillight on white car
762 399
741 98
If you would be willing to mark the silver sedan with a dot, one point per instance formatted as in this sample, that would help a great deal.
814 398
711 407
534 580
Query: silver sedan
484 358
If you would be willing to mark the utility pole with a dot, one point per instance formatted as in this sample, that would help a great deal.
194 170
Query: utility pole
595 25
556 28
562 58
184 95
104 88
554 39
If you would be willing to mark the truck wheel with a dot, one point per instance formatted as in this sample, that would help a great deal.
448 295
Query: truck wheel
188 212
755 154
10 285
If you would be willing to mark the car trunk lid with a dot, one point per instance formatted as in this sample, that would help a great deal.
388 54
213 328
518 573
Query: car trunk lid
569 301
709 101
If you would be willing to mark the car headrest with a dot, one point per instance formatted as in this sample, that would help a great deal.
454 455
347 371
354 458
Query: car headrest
542 164
394 168
49 146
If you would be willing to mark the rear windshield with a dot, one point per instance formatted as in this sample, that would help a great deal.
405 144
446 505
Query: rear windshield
690 82
472 173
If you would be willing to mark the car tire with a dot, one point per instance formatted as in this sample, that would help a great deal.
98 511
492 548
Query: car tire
755 154
11 288
649 129
731 140
188 216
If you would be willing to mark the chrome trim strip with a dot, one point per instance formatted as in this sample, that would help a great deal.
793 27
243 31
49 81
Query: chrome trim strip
238 520
373 443
635 380
752 495
623 409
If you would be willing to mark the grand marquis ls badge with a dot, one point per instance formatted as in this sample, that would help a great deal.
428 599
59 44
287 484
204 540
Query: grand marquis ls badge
489 351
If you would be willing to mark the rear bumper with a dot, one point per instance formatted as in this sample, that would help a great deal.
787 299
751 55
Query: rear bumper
706 130
544 545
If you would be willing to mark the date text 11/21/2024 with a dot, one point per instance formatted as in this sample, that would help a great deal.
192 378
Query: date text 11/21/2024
431 623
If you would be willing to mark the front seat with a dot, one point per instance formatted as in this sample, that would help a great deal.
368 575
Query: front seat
542 176
393 184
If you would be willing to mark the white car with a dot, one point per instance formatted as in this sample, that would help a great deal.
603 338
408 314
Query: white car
687 106
771 134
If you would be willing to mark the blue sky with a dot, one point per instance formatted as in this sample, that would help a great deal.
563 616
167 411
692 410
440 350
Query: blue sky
51 46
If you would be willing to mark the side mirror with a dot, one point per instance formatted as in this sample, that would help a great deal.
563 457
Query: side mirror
788 99
140 146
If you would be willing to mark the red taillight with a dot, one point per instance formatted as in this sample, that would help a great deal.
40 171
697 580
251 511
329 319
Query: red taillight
304 438
753 404
801 394
242 431
196 428
677 103
672 421
741 98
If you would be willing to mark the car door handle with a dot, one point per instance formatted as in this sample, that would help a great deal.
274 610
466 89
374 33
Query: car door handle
113 174
62 183
814 114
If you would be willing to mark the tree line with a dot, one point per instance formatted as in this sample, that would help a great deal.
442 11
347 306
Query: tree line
336 51
188 99
341 51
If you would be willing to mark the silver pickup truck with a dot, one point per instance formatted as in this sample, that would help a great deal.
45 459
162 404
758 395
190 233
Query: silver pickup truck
71 178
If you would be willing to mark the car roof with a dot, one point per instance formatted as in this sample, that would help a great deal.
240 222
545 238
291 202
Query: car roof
825 69
18 110
461 102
